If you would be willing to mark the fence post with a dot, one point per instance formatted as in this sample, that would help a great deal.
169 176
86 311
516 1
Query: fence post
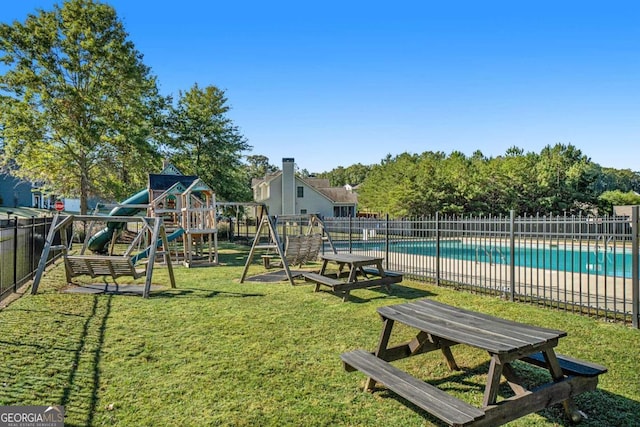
32 247
438 248
350 228
386 242
15 254
512 255
635 288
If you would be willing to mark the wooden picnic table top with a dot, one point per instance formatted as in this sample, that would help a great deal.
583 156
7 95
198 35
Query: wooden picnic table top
356 264
351 258
493 334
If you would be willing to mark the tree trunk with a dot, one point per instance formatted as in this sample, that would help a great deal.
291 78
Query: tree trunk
84 193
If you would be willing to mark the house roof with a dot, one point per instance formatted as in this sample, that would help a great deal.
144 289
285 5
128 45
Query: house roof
267 178
339 195
318 182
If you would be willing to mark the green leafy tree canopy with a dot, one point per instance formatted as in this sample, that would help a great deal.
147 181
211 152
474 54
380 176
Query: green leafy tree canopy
78 107
206 142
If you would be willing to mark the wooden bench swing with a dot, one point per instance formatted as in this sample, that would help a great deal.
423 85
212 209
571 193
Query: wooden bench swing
298 249
114 266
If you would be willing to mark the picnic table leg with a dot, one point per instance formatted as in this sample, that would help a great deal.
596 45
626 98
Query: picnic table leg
382 348
493 381
353 273
322 270
324 267
423 338
448 355
345 296
513 379
569 405
382 275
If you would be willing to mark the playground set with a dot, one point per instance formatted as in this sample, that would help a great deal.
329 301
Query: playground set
174 209
176 215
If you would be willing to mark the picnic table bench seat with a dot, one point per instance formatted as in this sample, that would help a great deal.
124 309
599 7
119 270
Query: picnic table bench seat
387 273
266 260
450 409
320 279
569 365
344 288
101 265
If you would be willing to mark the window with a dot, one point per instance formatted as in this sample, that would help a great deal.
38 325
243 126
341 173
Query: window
343 211
303 211
301 191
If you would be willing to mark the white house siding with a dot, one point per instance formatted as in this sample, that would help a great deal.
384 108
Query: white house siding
274 201
312 201
72 205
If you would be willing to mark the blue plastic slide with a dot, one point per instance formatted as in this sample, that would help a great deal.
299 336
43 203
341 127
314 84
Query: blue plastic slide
144 254
98 242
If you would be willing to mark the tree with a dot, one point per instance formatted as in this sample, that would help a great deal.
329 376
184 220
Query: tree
258 166
404 185
507 184
561 180
619 179
609 199
78 107
205 142
353 175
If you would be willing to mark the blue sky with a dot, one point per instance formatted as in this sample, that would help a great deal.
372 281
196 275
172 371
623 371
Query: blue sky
334 83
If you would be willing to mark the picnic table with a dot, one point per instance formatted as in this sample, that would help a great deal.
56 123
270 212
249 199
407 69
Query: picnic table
363 272
441 327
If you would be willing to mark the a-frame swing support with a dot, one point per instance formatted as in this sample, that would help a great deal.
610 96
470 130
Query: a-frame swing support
158 238
276 244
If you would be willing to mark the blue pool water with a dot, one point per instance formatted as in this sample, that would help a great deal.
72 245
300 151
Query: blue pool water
599 261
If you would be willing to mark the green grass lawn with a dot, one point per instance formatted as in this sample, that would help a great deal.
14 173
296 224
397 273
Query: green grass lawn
218 352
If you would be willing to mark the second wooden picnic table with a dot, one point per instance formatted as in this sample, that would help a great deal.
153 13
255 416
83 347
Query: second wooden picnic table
364 272
440 327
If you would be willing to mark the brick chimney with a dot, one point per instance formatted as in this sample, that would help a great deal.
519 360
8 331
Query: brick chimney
288 186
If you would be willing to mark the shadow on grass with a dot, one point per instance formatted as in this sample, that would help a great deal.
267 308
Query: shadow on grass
408 292
398 291
600 406
95 350
46 312
233 257
201 293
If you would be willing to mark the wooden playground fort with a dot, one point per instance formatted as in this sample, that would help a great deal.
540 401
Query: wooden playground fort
188 206
175 215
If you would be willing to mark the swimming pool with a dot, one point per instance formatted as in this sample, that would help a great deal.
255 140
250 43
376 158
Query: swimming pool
577 258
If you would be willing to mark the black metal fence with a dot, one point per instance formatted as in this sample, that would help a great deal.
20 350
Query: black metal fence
582 264
21 243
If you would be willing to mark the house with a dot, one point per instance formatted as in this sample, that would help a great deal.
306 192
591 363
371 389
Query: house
15 192
625 210
285 193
